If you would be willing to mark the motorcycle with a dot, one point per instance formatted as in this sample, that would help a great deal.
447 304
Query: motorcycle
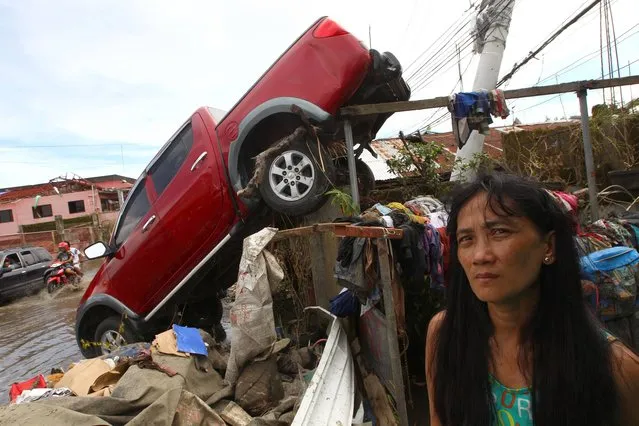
56 277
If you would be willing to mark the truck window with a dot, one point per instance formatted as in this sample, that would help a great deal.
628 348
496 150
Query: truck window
136 208
42 255
28 257
12 261
169 163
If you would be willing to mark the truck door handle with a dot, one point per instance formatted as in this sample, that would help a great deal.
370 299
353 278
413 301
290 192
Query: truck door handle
24 272
148 223
200 158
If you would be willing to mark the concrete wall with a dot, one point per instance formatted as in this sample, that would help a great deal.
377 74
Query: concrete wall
23 213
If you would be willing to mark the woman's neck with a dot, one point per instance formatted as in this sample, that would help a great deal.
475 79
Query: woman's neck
511 316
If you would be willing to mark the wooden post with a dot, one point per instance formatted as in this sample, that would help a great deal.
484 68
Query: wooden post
23 238
393 338
59 226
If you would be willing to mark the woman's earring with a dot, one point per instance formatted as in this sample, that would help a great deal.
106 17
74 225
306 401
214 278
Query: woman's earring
547 260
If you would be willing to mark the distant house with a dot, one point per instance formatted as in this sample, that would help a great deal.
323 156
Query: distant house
69 198
389 148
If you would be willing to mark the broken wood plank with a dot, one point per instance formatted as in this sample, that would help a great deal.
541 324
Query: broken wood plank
340 230
232 413
442 101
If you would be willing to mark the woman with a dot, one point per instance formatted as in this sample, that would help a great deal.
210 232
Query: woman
516 345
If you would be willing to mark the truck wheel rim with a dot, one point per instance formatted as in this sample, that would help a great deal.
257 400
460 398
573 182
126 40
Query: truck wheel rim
110 341
291 175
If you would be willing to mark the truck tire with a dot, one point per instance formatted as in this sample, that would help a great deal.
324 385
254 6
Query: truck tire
294 182
365 176
110 334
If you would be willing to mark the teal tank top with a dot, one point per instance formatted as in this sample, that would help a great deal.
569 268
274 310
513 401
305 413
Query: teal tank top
514 406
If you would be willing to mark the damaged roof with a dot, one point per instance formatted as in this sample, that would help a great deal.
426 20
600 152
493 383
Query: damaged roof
43 189
389 148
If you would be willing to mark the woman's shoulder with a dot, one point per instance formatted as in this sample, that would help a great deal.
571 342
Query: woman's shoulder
626 371
625 363
433 328
436 321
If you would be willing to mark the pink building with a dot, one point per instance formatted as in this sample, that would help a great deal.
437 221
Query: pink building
69 198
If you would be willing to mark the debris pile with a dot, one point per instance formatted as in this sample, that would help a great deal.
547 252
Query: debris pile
184 376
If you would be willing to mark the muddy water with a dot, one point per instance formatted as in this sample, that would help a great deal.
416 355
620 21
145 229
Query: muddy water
36 334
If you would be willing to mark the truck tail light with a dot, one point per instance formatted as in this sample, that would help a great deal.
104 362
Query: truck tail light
328 28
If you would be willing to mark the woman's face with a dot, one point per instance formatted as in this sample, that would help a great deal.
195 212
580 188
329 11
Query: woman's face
501 255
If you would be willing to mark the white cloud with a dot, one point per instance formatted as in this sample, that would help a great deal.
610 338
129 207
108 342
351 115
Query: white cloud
125 72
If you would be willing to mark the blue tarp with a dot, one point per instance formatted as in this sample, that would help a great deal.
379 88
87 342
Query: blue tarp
189 340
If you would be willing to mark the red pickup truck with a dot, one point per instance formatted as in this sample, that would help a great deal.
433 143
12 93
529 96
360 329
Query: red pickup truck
178 238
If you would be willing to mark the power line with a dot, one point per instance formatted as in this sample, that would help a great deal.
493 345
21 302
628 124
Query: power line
469 35
556 96
466 43
570 67
547 42
434 43
421 124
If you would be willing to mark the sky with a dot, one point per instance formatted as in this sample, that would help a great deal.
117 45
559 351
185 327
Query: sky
92 88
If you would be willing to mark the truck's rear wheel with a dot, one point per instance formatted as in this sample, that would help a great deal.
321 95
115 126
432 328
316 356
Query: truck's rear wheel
296 181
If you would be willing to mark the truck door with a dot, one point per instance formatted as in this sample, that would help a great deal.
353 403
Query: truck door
188 188
35 269
12 282
139 265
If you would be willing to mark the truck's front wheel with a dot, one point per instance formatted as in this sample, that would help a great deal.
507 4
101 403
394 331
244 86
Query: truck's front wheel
296 181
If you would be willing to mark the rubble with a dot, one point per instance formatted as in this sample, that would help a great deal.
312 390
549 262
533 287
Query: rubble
180 377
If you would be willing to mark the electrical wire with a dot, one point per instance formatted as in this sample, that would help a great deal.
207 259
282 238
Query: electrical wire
454 28
579 62
450 42
518 66
469 41
556 96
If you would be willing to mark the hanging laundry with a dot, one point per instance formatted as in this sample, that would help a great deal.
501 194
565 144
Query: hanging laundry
445 244
411 256
435 259
469 111
498 106
472 111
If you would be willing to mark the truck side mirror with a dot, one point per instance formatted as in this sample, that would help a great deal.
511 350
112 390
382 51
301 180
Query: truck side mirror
97 250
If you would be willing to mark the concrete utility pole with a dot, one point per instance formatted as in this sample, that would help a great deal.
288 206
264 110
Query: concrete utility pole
491 43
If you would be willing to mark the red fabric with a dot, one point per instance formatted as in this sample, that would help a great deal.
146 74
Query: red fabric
34 383
445 242
573 202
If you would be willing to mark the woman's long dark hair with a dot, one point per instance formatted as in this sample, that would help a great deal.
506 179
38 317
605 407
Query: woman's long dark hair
571 374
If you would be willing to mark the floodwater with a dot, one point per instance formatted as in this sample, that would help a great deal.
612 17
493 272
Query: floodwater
37 333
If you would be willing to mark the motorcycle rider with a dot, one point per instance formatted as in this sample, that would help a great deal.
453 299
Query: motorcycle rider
66 258
76 258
